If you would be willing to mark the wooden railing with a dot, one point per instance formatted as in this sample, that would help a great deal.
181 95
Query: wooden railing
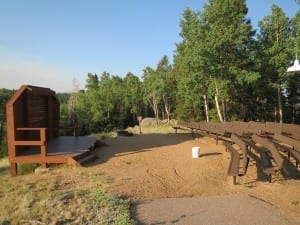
41 142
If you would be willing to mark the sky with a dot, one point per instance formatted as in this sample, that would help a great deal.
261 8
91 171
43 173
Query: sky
54 43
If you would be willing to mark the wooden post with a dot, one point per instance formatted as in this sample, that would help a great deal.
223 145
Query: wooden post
43 146
13 169
43 142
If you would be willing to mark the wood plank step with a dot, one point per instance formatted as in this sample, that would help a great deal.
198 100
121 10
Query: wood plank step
87 159
82 155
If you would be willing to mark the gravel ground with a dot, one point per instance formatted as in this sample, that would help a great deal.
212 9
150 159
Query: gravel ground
216 210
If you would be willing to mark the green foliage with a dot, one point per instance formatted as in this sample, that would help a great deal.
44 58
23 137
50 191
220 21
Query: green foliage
63 98
275 43
50 201
5 95
109 102
3 145
215 55
25 168
133 95
117 207
192 82
218 62
218 55
159 88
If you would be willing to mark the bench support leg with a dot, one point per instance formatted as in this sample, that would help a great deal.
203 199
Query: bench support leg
192 132
234 180
247 163
270 178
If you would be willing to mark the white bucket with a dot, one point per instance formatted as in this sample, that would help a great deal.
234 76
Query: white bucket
195 152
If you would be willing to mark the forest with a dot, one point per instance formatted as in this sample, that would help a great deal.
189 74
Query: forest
223 70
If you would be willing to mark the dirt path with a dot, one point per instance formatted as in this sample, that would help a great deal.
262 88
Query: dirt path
156 166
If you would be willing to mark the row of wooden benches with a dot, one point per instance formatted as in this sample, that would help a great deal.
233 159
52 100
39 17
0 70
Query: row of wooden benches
242 128
272 145
265 148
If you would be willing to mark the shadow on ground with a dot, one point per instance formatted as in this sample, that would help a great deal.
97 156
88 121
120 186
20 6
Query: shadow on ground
120 146
288 171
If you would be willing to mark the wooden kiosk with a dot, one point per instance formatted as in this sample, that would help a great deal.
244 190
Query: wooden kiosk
33 123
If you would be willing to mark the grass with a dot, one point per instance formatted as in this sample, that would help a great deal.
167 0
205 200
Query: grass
4 166
162 128
102 136
65 195
26 168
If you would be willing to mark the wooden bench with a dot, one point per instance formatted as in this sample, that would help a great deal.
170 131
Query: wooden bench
294 145
181 125
273 128
270 150
256 127
265 159
267 164
234 164
291 130
243 146
236 127
194 128
287 140
176 128
215 130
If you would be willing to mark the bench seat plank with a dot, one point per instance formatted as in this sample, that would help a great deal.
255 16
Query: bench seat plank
287 140
271 147
234 164
243 146
265 159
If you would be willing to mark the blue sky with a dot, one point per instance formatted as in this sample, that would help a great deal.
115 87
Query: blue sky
53 42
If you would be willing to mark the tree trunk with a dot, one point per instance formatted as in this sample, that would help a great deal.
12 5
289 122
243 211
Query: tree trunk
167 112
280 105
166 108
218 108
224 110
154 106
206 108
162 113
217 102
294 114
156 112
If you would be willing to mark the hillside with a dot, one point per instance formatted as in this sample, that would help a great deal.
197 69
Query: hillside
154 165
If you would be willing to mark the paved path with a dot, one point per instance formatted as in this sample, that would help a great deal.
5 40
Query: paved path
218 210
